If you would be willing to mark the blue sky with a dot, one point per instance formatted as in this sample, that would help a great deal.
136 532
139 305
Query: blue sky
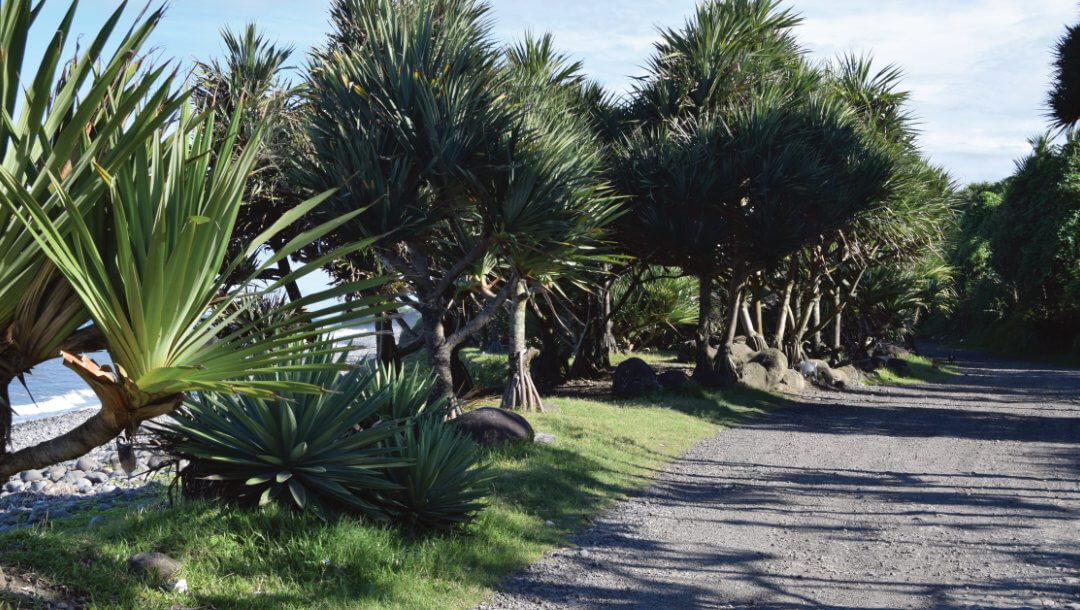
978 69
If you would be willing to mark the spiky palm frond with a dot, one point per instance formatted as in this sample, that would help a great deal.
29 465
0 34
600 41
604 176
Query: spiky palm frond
150 265
1064 98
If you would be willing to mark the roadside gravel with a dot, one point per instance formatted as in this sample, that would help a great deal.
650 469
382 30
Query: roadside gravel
959 495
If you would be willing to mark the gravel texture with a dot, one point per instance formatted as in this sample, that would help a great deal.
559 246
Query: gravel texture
93 482
961 495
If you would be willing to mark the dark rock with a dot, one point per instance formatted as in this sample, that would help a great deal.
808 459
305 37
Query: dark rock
633 378
775 363
674 380
155 564
891 350
898 366
489 426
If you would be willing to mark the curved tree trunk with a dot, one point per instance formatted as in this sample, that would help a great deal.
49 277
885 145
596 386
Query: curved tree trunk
119 412
726 374
520 392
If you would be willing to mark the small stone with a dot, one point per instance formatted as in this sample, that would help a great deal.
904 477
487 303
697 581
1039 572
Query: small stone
58 514
73 476
154 563
156 461
108 488
13 486
56 473
549 523
96 519
104 506
544 438
39 486
83 485
29 476
180 586
97 477
87 464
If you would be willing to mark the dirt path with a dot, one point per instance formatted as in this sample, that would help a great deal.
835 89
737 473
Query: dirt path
964 495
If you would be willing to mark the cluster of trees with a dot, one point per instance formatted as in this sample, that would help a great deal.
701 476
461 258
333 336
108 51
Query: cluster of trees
495 190
1015 247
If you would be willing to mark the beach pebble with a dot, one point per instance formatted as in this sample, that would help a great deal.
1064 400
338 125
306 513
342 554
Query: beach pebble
86 464
29 476
83 485
55 473
97 477
39 486
13 486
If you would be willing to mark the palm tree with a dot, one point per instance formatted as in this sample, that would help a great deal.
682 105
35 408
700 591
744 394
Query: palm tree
1064 99
251 76
554 205
149 262
65 124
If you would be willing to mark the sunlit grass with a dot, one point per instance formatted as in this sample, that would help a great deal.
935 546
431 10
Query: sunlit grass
272 558
922 370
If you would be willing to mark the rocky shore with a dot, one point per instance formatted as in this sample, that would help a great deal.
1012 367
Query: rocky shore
94 482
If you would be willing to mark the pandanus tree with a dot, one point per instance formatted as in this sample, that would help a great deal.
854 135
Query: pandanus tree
149 262
1064 98
414 117
555 208
63 124
250 76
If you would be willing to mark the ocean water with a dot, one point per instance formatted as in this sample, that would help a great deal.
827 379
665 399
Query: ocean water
53 389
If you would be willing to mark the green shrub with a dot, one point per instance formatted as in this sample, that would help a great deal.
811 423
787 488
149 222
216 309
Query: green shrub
401 393
308 451
443 486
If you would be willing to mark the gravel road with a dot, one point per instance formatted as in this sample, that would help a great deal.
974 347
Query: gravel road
961 495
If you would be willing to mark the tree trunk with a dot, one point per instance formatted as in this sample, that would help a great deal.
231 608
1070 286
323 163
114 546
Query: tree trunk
439 356
726 375
385 344
837 318
520 392
817 320
5 414
291 289
703 365
118 413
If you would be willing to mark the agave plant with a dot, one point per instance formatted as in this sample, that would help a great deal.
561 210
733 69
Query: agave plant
401 393
308 452
150 264
443 485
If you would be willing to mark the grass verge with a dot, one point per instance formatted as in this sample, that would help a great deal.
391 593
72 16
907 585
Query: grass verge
922 370
272 558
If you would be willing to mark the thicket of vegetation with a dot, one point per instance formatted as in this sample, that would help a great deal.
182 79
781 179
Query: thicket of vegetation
1015 247
738 190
